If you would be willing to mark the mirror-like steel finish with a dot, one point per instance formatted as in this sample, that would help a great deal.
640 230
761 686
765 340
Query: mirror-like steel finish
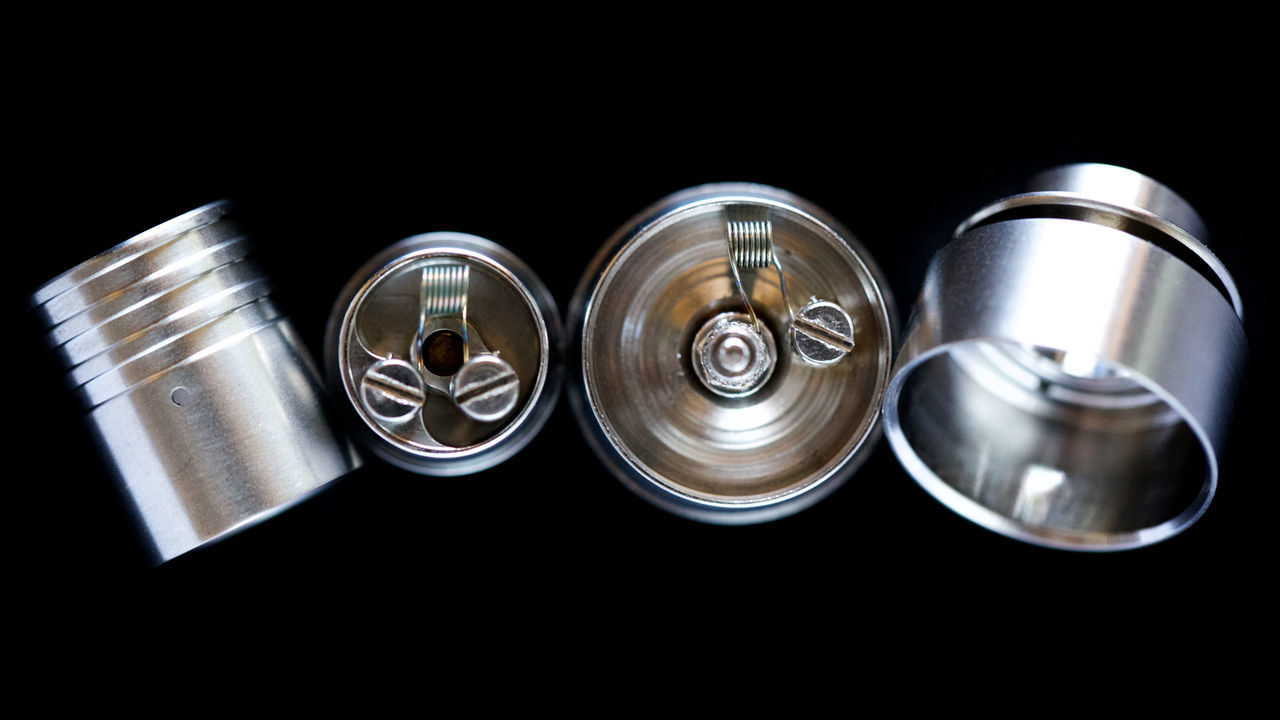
199 394
446 350
1068 371
684 437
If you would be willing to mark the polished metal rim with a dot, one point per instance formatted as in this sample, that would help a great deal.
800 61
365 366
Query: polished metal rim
112 258
1058 538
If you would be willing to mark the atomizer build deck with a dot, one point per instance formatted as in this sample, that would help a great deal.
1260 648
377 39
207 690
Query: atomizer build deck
446 349
1070 366
735 349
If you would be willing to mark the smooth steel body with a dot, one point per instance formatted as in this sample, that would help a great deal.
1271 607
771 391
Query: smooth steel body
680 396
1068 372
201 397
447 351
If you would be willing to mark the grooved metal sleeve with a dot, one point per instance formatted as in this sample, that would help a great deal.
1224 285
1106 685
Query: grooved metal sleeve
1068 373
202 399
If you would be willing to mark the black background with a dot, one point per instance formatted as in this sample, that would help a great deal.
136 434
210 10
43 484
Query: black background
339 135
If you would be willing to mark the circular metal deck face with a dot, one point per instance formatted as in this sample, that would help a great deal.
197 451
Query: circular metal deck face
445 351
1070 366
687 437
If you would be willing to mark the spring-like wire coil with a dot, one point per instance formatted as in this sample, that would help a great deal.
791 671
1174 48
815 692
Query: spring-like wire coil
751 243
443 292
444 289
751 247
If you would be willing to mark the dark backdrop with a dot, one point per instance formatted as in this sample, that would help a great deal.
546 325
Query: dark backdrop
340 135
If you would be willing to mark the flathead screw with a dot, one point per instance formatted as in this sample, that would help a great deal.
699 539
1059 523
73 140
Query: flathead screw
822 333
486 388
392 390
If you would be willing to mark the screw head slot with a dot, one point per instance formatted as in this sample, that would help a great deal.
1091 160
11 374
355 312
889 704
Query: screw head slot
822 333
486 388
392 390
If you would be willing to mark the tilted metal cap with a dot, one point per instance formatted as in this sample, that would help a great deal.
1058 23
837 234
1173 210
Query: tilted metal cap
203 399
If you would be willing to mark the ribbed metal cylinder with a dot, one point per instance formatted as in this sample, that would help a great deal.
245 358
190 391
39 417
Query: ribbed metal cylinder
202 399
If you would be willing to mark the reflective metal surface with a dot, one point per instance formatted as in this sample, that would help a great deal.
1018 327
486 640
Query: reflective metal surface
199 394
675 394
1068 371
447 350
733 354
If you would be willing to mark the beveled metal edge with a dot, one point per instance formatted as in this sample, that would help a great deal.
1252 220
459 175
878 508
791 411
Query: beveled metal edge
1070 185
128 249
973 511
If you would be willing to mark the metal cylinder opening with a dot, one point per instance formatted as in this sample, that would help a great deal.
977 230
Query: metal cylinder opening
1068 375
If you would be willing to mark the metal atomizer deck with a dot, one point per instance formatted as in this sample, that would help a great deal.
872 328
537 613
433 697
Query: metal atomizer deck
445 350
735 346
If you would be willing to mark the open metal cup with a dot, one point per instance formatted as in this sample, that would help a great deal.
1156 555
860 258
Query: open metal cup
1068 371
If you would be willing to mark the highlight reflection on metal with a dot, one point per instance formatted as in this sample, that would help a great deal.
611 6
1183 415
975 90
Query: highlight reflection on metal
1069 369
686 402
447 348
200 395
731 357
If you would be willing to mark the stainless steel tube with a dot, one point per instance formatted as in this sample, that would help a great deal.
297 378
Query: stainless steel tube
700 384
1067 375
200 396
